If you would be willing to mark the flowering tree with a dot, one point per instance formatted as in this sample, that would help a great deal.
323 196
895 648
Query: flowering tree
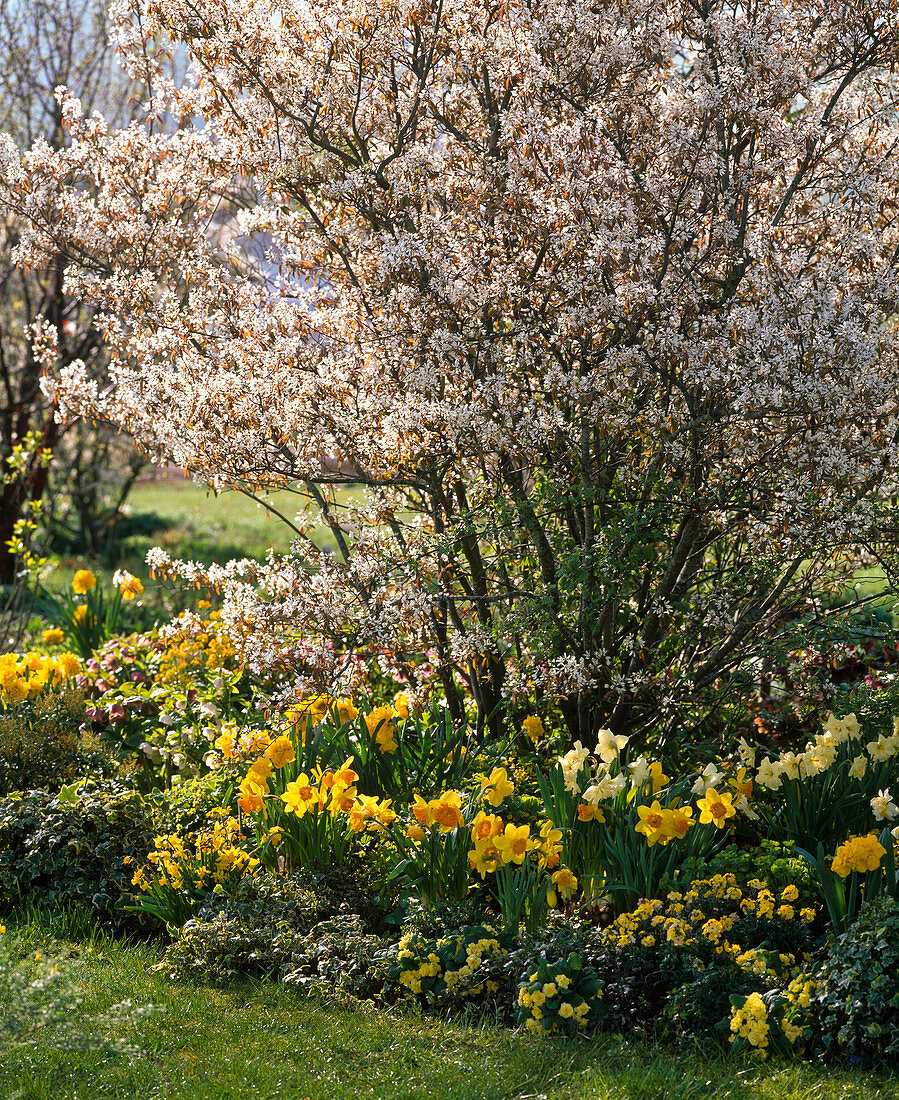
593 297
44 44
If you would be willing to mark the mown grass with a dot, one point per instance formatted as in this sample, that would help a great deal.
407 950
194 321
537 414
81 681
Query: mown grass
192 523
259 1041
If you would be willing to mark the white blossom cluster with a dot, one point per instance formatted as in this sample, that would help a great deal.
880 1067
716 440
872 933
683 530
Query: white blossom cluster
479 253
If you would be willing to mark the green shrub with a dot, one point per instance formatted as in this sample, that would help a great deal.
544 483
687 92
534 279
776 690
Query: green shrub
699 1006
43 743
76 847
270 926
184 808
857 1001
772 861
339 954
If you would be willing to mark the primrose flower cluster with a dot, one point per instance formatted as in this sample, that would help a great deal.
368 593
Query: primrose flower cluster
771 1021
559 998
452 967
712 915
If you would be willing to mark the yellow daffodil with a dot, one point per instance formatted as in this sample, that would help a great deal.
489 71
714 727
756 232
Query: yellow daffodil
281 752
496 787
532 728
651 821
514 844
716 808
83 581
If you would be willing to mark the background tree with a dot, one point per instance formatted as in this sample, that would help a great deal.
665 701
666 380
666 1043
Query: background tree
43 45
595 298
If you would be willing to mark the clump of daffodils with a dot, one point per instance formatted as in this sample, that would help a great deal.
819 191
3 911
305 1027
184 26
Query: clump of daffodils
182 872
840 739
27 676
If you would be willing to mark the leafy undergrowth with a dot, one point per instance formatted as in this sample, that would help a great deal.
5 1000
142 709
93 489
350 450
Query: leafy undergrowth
260 1041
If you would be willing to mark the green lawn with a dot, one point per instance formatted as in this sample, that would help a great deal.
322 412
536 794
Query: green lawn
259 1041
194 522
191 523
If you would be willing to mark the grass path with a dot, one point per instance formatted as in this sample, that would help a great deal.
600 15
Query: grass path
258 1041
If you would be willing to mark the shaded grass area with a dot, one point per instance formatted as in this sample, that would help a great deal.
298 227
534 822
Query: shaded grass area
259 1041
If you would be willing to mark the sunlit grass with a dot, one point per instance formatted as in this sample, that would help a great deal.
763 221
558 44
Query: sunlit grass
260 1041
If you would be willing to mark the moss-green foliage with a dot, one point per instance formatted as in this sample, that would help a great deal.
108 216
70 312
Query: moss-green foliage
54 850
772 861
42 743
857 1005
186 807
310 924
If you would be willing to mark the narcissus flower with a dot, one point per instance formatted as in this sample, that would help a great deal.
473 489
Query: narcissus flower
484 826
514 844
80 614
260 769
859 766
677 821
651 821
53 636
281 752
300 797
346 712
858 853
741 784
406 705
658 777
586 812
532 728
609 745
129 585
68 665
716 808
252 795
485 858
497 787
83 581
421 811
446 811
883 806
380 719
565 882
